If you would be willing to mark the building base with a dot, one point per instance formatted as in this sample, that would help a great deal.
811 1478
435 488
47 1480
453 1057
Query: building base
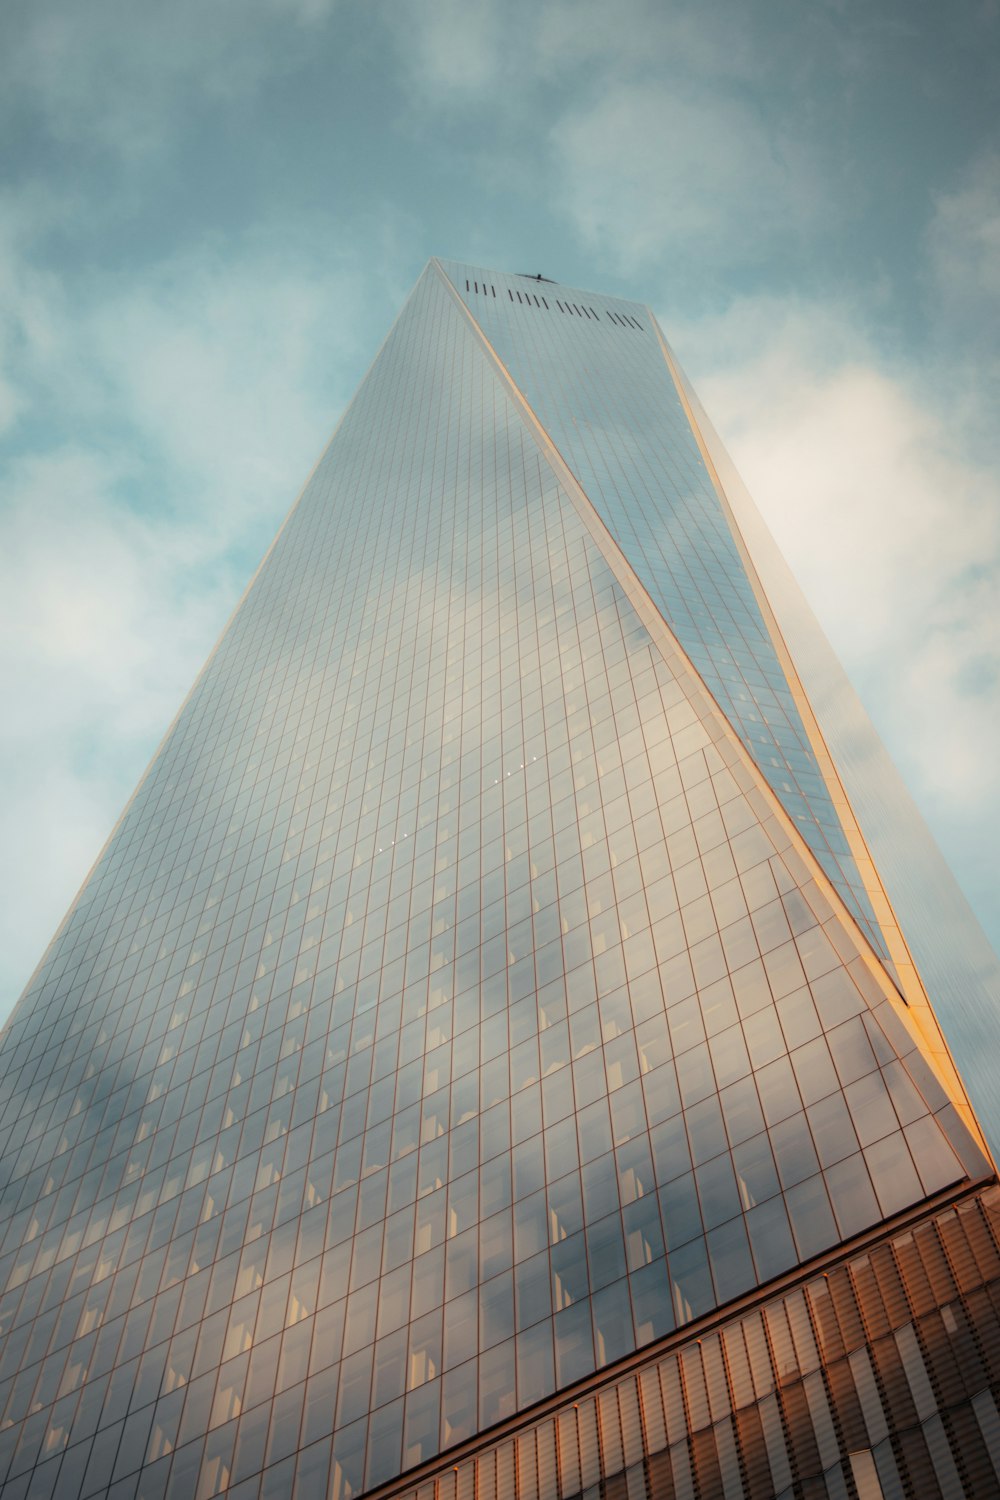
874 1374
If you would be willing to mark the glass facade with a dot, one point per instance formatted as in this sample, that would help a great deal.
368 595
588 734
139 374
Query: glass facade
478 988
593 370
872 1380
949 948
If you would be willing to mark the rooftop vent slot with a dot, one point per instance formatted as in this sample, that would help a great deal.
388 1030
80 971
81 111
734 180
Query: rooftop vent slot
624 320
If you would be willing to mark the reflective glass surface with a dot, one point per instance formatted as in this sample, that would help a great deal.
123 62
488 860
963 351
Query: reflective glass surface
593 371
960 970
448 1015
879 1378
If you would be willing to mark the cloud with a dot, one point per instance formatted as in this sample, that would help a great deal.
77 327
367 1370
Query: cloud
963 247
650 165
686 39
228 367
454 51
123 77
650 127
455 47
31 301
219 364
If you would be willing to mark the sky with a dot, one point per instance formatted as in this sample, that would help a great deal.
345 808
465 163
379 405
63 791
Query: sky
210 213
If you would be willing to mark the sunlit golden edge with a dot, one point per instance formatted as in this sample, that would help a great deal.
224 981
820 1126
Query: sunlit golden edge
668 645
917 1010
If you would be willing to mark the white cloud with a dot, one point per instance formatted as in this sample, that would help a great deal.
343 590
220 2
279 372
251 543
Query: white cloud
88 589
224 363
650 165
455 47
229 368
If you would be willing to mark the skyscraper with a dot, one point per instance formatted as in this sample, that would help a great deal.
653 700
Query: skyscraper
485 1058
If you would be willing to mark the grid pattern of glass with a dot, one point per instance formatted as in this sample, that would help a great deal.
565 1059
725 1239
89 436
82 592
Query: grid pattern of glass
447 1015
877 1380
950 949
600 386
